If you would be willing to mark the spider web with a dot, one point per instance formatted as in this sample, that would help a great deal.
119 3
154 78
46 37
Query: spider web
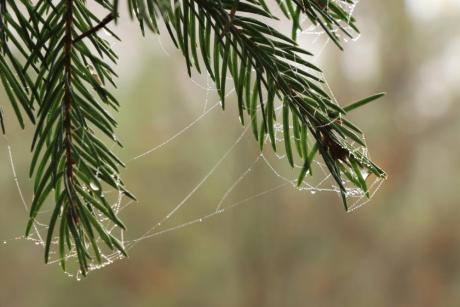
271 161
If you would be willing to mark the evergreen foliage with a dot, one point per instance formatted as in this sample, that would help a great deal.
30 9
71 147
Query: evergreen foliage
55 66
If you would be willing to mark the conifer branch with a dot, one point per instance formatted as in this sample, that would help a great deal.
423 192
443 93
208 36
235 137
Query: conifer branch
280 71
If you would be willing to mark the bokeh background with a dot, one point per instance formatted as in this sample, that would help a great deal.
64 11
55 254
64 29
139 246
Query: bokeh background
286 247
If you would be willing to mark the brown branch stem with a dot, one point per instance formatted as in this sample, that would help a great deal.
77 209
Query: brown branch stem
68 99
104 22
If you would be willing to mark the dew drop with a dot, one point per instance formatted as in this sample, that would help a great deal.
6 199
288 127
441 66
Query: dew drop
94 186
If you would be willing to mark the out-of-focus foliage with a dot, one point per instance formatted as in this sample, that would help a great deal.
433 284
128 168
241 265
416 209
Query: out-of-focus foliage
402 250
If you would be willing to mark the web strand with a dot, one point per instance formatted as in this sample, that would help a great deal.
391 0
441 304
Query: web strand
21 194
198 186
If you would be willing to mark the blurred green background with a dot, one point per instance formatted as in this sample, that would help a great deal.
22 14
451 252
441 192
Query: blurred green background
287 247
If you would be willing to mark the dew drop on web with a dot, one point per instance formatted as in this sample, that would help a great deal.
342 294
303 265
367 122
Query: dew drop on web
94 186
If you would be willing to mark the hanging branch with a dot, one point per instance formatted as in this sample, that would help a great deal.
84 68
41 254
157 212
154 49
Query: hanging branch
243 43
69 160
